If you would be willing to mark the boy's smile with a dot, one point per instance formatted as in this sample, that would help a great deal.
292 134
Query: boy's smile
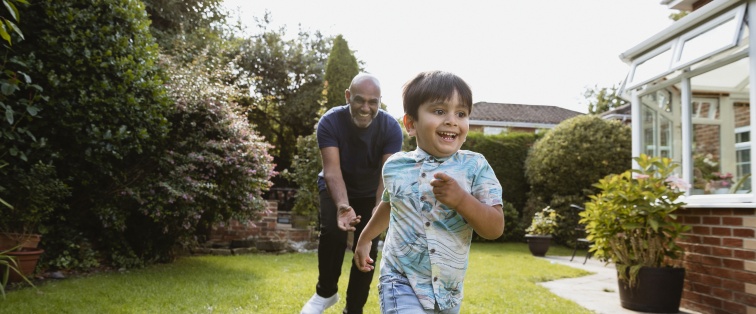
441 126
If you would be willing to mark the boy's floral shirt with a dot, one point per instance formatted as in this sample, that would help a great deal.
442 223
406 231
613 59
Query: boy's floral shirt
427 242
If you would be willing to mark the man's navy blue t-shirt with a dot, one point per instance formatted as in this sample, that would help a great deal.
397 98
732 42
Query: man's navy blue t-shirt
360 150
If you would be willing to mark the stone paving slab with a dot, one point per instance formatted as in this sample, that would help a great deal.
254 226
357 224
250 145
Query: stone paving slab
598 292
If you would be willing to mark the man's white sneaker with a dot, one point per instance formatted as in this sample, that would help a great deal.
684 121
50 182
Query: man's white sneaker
318 304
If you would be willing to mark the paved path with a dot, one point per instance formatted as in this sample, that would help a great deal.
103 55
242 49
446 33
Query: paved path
597 292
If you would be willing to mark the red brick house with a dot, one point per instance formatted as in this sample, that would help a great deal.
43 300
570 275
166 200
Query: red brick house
495 118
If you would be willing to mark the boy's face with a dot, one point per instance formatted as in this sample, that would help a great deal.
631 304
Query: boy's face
441 127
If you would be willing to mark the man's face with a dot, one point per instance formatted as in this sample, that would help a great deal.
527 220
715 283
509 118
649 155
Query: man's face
364 99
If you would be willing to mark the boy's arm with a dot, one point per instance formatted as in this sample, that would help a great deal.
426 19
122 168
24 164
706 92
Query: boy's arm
379 191
487 221
377 224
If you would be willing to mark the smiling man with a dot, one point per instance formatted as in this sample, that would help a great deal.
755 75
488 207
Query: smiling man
355 140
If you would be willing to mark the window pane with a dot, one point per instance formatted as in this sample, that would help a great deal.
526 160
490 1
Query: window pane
719 37
652 67
721 130
657 124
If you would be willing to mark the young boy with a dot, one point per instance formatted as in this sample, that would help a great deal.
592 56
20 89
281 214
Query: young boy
434 197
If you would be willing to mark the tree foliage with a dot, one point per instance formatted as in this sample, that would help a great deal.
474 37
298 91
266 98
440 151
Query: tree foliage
341 68
195 20
603 99
106 115
286 85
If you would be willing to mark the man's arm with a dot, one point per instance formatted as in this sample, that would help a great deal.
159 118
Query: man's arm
337 188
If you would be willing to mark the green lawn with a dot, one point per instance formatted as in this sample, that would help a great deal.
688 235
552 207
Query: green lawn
501 279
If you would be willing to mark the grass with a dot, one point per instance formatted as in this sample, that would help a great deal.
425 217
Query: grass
501 279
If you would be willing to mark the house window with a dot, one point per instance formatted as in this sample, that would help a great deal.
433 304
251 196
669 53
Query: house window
743 158
657 124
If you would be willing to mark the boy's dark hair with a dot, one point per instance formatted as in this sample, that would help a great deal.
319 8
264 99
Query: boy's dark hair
434 86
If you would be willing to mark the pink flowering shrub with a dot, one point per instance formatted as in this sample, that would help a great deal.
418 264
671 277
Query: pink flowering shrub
215 167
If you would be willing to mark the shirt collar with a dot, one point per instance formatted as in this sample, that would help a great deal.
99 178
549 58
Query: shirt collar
420 155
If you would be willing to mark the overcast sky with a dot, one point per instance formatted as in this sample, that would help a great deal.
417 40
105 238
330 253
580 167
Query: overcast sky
523 52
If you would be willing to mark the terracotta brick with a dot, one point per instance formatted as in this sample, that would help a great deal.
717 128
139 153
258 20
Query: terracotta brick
732 221
701 288
692 238
733 264
714 241
721 211
734 285
722 293
701 249
721 231
743 254
711 301
732 308
722 252
711 261
691 220
712 220
732 242
745 298
722 272
745 233
711 281
701 230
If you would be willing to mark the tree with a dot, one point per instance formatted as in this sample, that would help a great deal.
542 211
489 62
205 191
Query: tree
341 68
603 99
196 18
285 85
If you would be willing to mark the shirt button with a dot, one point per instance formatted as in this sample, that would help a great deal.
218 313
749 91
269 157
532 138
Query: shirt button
422 174
422 198
435 278
427 224
433 251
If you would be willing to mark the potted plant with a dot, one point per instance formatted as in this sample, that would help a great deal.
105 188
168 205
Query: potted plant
541 228
632 223
28 203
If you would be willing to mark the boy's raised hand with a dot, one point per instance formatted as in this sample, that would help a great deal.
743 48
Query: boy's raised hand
447 190
362 257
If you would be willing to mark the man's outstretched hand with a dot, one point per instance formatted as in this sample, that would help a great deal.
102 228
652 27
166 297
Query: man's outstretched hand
347 218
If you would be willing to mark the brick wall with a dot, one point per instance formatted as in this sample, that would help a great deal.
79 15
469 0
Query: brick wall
267 228
720 260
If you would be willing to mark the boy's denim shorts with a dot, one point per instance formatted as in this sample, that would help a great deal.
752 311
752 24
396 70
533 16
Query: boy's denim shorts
397 297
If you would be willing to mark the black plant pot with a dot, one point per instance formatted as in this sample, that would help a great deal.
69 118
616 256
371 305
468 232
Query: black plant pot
538 244
658 290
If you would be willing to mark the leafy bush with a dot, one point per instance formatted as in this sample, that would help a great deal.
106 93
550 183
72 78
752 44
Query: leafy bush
632 220
306 166
106 115
563 165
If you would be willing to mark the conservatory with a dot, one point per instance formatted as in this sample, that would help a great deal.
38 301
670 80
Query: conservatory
690 94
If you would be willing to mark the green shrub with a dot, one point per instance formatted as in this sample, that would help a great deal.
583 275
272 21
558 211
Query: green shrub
306 166
564 164
106 115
